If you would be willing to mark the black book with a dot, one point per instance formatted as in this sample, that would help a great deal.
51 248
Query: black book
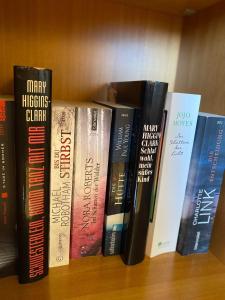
8 247
120 139
32 88
150 98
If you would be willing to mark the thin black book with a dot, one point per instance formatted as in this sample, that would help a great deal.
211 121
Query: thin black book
32 89
8 245
120 139
150 98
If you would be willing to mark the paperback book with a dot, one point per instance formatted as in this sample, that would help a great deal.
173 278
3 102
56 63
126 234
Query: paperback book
181 118
62 149
92 136
8 245
203 185
121 131
32 89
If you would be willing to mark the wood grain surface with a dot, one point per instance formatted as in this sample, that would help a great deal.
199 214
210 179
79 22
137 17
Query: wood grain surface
201 67
167 277
87 43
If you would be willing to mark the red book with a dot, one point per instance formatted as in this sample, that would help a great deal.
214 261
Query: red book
8 249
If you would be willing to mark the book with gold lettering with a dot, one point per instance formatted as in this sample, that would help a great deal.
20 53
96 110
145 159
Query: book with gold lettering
62 149
32 89
92 136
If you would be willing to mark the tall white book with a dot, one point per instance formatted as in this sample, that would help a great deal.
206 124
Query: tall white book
62 150
181 118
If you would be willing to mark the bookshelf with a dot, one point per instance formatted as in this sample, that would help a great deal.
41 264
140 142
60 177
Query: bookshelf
88 43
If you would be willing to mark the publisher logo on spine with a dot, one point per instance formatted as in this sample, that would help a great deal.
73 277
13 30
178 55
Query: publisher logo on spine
94 119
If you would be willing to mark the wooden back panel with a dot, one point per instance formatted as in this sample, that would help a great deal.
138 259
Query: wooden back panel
201 67
87 43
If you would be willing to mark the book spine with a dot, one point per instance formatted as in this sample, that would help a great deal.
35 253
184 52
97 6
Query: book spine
92 135
182 113
32 89
193 170
142 168
204 196
121 131
157 168
8 248
62 149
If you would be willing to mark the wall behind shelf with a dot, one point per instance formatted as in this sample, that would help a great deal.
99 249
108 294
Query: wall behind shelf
87 43
201 67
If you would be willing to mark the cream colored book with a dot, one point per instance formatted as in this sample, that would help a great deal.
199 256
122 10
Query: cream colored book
181 119
62 150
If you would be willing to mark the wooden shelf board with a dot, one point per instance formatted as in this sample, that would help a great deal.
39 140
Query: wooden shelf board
169 276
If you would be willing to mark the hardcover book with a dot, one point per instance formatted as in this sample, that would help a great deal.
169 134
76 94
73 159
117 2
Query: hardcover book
181 118
121 131
203 186
149 100
8 245
32 89
92 136
62 149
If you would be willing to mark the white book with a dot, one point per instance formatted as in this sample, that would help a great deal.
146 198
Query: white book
62 150
181 119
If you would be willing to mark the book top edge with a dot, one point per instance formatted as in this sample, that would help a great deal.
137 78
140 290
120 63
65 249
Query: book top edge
57 102
113 105
32 68
6 98
139 81
184 94
78 104
209 115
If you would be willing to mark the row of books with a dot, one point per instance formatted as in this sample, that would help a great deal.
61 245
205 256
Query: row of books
138 174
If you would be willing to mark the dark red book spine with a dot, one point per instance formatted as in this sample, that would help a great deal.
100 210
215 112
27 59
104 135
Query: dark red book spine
32 89
8 249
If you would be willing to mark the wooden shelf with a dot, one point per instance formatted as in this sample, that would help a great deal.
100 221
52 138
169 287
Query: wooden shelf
166 277
88 43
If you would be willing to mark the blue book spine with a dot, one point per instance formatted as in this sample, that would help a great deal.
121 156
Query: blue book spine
203 186
121 131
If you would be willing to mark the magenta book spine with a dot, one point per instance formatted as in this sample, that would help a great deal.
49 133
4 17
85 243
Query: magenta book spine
92 137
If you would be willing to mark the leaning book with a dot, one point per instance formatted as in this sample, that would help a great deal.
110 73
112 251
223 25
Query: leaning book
62 149
8 245
203 186
92 136
32 89
181 118
118 166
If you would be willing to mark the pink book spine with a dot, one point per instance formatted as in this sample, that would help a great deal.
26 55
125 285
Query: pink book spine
90 174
